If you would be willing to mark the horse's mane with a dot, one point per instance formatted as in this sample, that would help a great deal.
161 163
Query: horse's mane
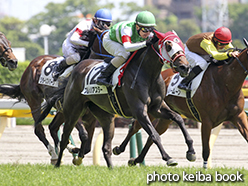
3 39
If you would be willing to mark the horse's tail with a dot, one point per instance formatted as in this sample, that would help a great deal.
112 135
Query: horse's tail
11 90
47 106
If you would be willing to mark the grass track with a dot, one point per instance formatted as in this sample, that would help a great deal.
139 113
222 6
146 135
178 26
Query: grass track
42 174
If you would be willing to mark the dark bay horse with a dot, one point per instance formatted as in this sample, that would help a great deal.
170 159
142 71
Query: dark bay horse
219 98
7 58
137 98
34 93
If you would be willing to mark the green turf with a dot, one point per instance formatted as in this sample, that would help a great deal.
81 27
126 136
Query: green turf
69 175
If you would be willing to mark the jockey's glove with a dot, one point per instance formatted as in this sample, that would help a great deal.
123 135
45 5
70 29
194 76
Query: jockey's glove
151 41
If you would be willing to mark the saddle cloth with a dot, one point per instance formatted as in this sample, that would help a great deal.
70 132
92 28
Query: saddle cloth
175 81
91 87
46 77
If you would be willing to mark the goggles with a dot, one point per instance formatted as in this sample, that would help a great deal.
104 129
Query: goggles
146 29
222 44
105 23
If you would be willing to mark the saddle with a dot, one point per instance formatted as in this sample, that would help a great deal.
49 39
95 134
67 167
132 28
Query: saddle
46 77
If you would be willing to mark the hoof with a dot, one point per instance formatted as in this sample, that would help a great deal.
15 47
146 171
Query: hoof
131 162
190 156
205 165
172 162
77 161
53 161
116 150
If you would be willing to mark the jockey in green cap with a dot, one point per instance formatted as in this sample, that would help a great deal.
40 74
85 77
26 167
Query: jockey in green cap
125 37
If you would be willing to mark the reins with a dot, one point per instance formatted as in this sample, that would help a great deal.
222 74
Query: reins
246 71
100 44
240 63
136 75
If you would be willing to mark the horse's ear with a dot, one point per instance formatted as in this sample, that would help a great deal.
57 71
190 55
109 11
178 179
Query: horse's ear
160 35
245 41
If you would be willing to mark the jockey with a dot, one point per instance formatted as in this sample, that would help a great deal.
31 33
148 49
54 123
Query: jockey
125 37
78 39
205 46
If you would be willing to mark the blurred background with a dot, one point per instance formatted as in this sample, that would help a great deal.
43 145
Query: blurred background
21 21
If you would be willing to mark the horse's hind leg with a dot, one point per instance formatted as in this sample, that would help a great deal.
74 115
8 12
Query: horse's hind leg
34 103
134 129
106 120
89 122
54 128
242 124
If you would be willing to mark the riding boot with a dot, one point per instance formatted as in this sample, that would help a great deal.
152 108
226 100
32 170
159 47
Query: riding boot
185 82
105 76
59 69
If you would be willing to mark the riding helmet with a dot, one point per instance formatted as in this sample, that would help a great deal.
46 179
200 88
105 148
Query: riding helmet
103 15
145 18
223 35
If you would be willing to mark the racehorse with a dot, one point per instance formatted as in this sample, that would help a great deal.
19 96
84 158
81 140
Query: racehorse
219 98
7 58
34 93
141 92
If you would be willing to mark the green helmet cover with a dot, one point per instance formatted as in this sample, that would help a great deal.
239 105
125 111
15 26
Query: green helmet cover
145 18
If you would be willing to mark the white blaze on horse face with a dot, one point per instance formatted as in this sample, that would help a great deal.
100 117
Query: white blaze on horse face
175 48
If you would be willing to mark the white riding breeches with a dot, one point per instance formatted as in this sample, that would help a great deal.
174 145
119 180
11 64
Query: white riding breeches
71 56
195 59
114 48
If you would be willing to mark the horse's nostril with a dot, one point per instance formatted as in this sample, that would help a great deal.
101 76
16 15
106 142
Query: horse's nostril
182 67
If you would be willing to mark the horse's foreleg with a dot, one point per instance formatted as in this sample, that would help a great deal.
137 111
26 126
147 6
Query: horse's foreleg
72 111
142 117
161 127
205 134
68 127
108 133
134 129
167 113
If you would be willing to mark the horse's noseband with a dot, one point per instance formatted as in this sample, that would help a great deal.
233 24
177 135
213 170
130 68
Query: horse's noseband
163 60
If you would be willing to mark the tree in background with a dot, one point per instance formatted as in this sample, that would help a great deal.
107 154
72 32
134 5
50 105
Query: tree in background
238 22
14 30
64 16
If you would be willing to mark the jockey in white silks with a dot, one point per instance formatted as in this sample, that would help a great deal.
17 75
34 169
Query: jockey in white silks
77 39
210 44
125 37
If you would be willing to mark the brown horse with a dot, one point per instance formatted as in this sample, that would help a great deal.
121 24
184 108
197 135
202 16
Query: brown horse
219 98
34 93
142 92
7 58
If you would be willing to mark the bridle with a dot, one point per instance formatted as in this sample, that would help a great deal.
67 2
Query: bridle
3 59
172 59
